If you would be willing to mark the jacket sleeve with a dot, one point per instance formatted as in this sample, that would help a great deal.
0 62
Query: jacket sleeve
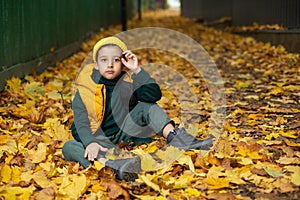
82 124
145 88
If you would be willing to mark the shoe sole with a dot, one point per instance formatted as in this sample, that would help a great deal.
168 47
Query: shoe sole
205 145
129 171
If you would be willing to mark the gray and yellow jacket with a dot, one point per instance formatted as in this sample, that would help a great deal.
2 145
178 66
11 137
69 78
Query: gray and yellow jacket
100 105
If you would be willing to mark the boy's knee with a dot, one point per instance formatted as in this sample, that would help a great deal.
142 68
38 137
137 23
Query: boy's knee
68 148
65 148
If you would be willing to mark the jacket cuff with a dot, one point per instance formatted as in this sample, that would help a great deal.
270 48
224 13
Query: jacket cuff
88 139
141 77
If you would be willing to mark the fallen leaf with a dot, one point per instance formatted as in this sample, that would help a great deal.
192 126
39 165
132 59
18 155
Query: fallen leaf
73 186
295 177
286 160
291 143
45 194
6 173
273 173
17 192
115 190
98 165
192 192
217 183
146 180
38 155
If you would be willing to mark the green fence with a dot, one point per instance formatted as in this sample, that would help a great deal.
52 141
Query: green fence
31 29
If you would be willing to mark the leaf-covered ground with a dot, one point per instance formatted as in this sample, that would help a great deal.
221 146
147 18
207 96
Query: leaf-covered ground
256 157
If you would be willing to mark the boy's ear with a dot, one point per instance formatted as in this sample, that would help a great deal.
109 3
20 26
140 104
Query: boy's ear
96 66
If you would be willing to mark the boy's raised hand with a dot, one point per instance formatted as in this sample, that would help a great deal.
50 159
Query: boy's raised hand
131 61
92 151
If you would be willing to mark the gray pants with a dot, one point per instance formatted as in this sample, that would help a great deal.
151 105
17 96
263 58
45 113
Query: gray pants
142 119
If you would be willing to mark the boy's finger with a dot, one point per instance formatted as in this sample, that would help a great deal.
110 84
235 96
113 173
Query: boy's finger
91 157
103 149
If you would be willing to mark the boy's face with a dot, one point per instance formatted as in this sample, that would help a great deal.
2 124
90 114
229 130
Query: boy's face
109 62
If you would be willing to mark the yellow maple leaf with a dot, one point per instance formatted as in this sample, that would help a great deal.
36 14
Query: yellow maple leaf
184 180
38 155
187 160
98 165
10 146
237 112
73 186
272 135
231 129
241 84
17 192
151 148
275 91
217 183
254 116
98 187
54 85
244 151
215 172
24 140
16 174
147 180
56 130
55 95
291 143
3 139
295 177
41 179
6 173
169 155
244 161
235 176
14 85
290 134
147 161
192 192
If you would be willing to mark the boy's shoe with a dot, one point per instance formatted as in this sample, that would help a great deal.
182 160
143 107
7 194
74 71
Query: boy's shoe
126 169
182 140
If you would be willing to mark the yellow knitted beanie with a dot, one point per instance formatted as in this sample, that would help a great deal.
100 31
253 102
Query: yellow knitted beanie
107 41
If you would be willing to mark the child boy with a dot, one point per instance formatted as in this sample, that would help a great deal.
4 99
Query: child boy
108 110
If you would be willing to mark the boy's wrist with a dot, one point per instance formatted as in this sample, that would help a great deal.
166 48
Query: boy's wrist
136 71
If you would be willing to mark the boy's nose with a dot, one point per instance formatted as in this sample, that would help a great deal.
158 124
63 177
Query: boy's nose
110 64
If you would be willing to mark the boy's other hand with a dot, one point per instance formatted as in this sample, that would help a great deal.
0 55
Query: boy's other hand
92 151
131 61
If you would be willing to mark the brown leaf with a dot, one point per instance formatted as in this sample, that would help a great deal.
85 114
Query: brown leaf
45 194
221 196
115 190
17 160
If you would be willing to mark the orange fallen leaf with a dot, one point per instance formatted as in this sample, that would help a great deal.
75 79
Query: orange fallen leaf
115 190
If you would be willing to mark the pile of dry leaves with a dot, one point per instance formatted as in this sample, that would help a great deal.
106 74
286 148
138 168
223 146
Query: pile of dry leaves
256 157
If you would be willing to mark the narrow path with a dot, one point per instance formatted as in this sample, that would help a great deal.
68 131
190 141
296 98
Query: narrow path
257 155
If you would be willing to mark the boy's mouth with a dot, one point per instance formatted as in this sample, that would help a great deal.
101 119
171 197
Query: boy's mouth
110 72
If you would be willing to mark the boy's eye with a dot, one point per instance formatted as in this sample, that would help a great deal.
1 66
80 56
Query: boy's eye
117 60
103 59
